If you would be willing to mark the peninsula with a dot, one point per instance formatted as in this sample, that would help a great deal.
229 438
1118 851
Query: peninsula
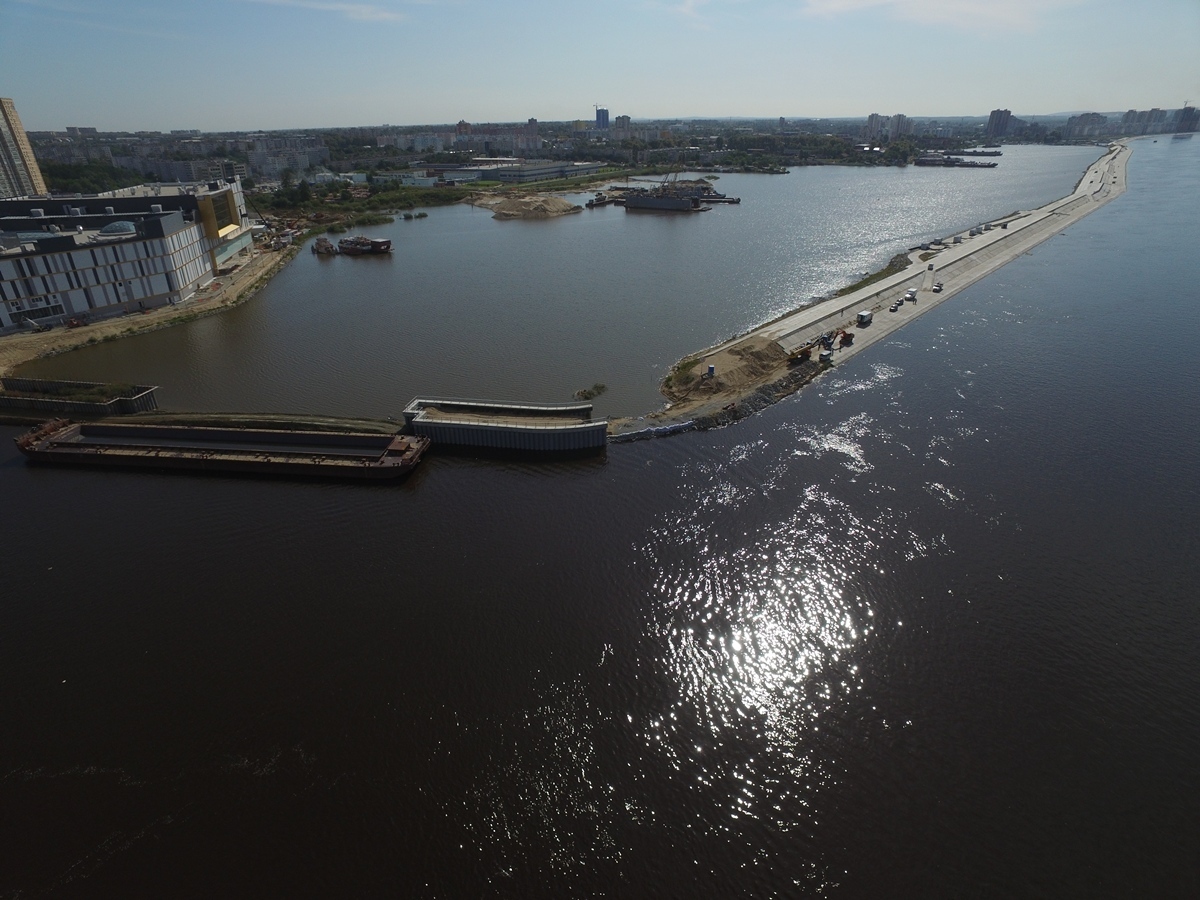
754 370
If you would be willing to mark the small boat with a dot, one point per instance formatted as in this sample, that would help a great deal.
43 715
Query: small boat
364 246
324 247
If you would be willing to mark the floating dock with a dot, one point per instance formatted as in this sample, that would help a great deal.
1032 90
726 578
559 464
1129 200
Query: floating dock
251 450
539 427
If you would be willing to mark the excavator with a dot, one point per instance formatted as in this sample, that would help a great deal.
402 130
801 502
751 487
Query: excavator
840 336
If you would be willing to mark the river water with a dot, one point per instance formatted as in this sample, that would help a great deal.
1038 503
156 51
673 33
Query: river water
927 628
468 306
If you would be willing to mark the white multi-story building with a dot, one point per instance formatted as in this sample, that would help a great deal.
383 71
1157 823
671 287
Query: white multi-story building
899 126
887 127
122 251
876 125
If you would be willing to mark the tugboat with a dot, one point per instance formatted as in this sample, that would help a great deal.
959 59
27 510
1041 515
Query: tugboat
364 246
324 246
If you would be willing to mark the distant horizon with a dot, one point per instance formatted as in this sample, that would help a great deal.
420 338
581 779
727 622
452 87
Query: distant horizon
496 121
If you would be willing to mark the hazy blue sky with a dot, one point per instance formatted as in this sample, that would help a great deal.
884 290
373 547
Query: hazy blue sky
239 64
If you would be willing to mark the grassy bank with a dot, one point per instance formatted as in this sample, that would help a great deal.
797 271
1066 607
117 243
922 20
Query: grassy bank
97 393
896 264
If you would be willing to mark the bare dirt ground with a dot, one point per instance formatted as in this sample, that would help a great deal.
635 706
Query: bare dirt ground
530 207
737 368
220 295
748 375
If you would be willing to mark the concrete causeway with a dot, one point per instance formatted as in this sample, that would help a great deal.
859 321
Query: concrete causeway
958 266
724 398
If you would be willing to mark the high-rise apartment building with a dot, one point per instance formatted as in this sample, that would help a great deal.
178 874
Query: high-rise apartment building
601 118
19 172
887 127
998 121
876 125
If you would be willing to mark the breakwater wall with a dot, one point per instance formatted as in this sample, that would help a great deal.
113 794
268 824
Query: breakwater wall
139 399
537 427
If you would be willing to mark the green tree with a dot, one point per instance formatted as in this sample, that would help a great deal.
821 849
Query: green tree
92 178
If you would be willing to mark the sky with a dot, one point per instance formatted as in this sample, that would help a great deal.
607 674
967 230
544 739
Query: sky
225 65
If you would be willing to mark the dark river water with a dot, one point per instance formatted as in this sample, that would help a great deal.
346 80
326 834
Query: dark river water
468 306
928 628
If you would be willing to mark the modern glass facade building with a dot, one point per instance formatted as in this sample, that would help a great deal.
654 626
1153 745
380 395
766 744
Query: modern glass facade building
123 251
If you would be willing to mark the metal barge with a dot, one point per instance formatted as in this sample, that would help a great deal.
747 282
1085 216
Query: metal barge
953 162
538 427
364 246
663 202
260 451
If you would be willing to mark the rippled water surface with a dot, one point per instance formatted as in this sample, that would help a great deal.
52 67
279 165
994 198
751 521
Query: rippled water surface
926 629
536 310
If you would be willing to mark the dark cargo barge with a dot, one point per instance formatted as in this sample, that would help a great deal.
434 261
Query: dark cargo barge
250 450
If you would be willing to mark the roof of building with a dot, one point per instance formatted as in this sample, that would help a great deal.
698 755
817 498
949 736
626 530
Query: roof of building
121 226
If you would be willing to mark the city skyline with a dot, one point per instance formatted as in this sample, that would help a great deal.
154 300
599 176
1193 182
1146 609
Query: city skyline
275 64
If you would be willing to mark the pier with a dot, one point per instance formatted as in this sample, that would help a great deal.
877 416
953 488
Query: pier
540 427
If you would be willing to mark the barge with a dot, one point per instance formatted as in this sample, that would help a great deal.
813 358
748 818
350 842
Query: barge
260 451
953 162
664 202
364 246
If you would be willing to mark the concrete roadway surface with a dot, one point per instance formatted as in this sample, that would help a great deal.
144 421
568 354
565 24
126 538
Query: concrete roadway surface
957 266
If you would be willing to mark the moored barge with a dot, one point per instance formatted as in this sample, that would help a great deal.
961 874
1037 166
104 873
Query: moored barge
663 201
360 245
335 454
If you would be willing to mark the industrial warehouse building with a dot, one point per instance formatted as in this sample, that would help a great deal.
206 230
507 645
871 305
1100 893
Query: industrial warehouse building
122 251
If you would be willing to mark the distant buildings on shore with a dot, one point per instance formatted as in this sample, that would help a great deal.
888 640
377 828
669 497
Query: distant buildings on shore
190 156
1093 126
887 128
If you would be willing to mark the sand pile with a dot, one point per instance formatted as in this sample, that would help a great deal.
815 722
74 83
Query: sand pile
740 367
527 207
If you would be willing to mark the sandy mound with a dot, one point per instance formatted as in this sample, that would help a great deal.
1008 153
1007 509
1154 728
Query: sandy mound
739 367
527 207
